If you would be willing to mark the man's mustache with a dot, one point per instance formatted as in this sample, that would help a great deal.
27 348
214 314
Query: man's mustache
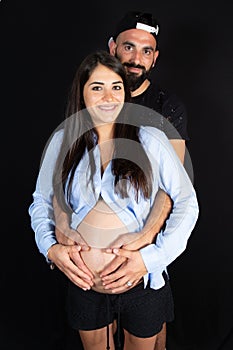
133 65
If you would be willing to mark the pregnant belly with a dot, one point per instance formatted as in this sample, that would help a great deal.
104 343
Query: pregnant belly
96 259
100 228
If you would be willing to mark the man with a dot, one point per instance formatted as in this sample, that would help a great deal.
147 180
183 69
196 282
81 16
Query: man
135 43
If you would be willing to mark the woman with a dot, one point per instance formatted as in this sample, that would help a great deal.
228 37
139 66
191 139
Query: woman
105 171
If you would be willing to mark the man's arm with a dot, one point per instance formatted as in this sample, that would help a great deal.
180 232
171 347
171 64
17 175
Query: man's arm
156 219
64 234
179 147
159 213
160 209
154 258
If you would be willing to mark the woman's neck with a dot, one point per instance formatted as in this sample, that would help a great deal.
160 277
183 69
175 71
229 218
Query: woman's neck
105 132
106 145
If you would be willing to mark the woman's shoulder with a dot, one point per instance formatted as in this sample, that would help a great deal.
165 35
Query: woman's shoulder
57 136
54 141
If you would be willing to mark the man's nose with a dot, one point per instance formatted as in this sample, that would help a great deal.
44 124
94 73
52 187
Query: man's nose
136 57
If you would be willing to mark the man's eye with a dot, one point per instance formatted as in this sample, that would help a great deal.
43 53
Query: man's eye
128 47
148 52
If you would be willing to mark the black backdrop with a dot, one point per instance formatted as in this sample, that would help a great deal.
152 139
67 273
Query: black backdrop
41 47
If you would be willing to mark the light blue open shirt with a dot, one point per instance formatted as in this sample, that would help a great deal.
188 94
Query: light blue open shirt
168 174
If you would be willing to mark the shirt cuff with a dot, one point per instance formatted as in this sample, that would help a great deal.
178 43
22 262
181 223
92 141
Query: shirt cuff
153 258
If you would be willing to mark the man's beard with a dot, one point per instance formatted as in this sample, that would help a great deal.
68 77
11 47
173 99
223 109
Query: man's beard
134 80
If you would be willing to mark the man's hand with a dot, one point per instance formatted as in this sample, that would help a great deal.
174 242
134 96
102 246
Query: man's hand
70 237
132 270
64 257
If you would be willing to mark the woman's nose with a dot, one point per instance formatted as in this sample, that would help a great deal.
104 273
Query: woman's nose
108 96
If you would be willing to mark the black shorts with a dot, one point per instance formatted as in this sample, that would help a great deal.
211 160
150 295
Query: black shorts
140 311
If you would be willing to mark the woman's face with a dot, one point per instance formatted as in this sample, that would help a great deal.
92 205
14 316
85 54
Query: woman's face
104 95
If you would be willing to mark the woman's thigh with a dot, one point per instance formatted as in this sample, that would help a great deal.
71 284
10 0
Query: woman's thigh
144 311
98 339
132 342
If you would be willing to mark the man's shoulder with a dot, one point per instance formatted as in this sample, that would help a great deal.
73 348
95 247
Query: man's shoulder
163 95
170 106
169 102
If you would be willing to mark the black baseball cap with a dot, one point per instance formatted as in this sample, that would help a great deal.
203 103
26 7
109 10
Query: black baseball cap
137 20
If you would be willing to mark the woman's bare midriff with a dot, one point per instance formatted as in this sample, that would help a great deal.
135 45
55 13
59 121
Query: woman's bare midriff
99 229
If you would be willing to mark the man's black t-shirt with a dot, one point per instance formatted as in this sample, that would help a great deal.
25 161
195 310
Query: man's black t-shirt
169 106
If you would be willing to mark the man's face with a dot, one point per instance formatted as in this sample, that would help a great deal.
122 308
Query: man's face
136 49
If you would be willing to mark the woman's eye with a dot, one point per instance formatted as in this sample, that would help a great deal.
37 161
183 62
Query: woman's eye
96 88
117 87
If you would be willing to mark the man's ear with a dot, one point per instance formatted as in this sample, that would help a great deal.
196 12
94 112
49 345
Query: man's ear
112 46
155 57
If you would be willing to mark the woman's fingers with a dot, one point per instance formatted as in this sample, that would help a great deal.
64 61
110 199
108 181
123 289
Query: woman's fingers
128 274
113 266
74 253
69 261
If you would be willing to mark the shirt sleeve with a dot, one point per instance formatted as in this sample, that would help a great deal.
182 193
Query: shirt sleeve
172 241
41 209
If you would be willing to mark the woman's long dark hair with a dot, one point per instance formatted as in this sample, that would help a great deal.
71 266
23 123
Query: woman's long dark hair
80 135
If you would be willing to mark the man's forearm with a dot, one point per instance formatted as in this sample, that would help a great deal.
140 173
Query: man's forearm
159 213
61 218
64 234
160 209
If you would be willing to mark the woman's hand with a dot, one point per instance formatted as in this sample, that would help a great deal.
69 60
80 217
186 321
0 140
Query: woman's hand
68 260
131 271
128 242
